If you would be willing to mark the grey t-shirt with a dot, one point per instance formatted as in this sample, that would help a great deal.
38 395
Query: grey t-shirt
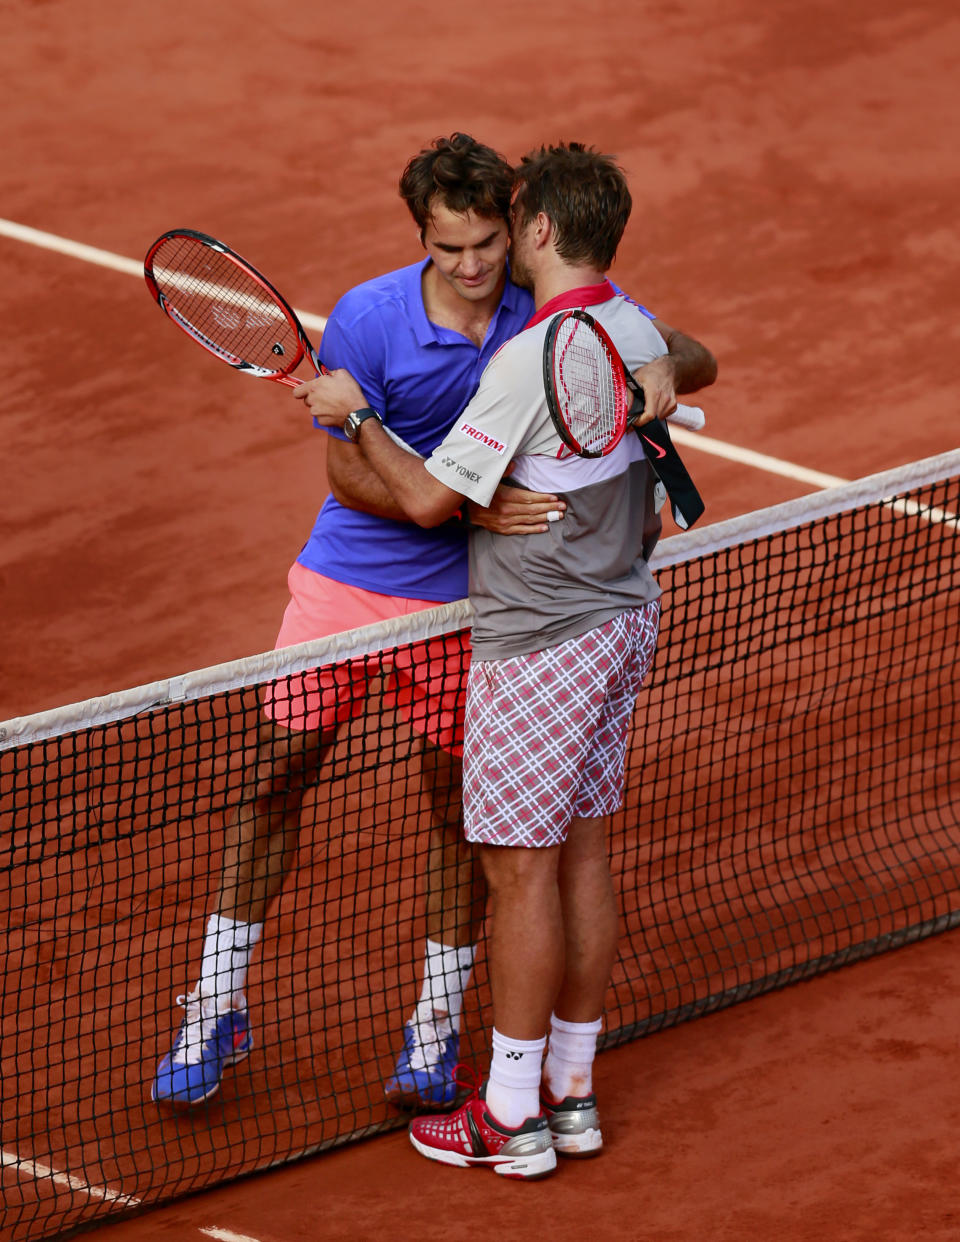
534 591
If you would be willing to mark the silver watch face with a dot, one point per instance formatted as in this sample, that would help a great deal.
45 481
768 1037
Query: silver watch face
353 421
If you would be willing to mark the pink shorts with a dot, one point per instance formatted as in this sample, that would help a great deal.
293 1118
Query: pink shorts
547 732
427 680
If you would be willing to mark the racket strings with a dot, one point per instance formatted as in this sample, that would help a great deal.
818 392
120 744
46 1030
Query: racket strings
586 384
226 307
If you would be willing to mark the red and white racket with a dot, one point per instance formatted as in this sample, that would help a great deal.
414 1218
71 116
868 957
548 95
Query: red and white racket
223 303
586 385
593 399
591 395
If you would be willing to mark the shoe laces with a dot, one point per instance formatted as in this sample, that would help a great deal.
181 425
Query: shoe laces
431 1030
468 1079
199 1027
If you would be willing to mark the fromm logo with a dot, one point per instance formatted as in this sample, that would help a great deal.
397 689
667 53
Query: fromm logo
476 434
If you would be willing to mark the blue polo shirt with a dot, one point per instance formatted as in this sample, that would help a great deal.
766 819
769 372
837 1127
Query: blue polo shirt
419 377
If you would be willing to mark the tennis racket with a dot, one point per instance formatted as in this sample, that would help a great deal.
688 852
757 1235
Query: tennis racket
224 304
593 399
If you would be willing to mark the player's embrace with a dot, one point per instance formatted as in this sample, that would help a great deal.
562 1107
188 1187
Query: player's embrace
565 629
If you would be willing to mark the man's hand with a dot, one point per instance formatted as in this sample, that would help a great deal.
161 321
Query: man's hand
688 366
658 381
331 397
515 511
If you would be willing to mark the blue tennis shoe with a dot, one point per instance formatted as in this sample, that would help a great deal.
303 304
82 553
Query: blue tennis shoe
207 1044
424 1076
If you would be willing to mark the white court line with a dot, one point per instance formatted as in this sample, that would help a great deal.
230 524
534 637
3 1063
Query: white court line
272 313
760 461
706 444
103 258
774 466
42 1172
90 254
76 250
226 1235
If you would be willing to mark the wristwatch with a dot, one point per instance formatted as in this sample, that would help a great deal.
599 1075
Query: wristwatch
354 420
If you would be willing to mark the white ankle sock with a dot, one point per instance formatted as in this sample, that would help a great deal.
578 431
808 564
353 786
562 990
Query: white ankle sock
446 973
513 1088
568 1069
227 949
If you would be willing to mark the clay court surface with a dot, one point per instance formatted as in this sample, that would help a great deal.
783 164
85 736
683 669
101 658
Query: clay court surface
795 178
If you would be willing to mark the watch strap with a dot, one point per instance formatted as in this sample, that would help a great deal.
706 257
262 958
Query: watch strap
356 418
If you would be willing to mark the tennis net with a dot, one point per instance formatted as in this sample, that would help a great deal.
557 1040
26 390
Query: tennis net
792 805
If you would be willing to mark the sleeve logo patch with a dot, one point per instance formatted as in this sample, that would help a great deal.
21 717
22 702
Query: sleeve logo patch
481 437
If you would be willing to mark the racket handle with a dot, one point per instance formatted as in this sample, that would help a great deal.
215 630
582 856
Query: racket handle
689 416
291 382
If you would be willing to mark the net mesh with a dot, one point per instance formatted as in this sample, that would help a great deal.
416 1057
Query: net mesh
792 805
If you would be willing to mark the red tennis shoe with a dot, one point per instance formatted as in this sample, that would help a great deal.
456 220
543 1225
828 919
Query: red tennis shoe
471 1136
574 1124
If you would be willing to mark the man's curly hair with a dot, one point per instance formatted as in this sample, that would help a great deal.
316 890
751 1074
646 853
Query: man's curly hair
461 174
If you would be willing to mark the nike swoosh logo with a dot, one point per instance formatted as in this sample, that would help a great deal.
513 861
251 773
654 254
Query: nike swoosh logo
661 452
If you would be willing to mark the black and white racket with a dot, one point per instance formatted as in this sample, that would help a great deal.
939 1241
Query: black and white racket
223 303
593 399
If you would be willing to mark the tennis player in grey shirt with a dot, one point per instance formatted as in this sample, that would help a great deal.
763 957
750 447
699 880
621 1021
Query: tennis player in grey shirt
537 591
565 630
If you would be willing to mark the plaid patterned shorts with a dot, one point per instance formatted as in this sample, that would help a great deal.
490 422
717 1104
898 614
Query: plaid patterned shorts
546 733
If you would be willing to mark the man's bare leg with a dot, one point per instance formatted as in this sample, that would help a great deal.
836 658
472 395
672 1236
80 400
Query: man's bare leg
552 945
456 892
263 832
455 900
525 943
590 921
261 844
525 954
591 924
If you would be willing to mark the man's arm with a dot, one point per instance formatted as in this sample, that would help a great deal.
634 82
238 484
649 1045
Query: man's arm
356 485
515 511
687 367
426 500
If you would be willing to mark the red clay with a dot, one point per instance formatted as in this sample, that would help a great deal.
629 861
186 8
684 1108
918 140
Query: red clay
795 178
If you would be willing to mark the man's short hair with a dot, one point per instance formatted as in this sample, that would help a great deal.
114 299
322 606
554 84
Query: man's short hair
462 174
585 195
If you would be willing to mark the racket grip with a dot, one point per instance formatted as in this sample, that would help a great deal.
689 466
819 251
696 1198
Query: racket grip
689 416
292 382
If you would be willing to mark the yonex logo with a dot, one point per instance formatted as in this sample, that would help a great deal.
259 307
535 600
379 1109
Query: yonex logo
515 1056
481 436
461 470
